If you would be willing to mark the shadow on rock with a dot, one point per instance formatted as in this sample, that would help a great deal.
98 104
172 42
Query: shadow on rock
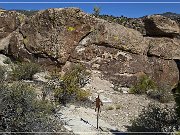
117 132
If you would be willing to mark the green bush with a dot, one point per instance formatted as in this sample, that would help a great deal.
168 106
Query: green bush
147 86
24 71
71 84
144 84
155 119
21 111
77 76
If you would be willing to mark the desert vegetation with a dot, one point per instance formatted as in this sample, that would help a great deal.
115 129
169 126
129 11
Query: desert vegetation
24 71
21 108
155 119
71 84
21 111
147 86
86 56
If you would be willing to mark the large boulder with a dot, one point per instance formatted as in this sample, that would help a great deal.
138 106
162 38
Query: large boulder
9 22
165 48
51 35
157 25
59 36
116 36
54 33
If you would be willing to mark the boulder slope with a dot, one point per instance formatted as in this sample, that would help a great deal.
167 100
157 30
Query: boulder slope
58 36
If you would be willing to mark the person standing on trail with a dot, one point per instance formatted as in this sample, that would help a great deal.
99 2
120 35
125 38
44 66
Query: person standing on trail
98 104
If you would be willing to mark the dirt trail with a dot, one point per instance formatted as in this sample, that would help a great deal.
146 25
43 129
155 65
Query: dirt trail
83 120
117 110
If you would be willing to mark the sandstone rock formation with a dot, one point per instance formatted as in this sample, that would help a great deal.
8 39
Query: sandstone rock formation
58 36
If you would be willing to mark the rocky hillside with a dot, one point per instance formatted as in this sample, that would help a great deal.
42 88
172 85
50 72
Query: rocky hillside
93 56
172 16
137 23
61 37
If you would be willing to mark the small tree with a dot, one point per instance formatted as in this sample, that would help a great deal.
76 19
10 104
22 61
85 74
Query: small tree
96 11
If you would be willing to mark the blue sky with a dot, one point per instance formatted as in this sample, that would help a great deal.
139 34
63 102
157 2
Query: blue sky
129 10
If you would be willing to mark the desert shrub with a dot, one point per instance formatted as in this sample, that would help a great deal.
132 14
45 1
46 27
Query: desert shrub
77 76
24 71
21 111
144 84
122 19
2 73
69 86
74 80
147 86
71 28
50 88
161 95
117 87
155 119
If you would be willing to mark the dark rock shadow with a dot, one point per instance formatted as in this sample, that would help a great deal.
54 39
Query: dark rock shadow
117 132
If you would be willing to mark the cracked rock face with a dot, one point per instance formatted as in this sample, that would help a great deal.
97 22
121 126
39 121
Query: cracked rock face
125 68
58 36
